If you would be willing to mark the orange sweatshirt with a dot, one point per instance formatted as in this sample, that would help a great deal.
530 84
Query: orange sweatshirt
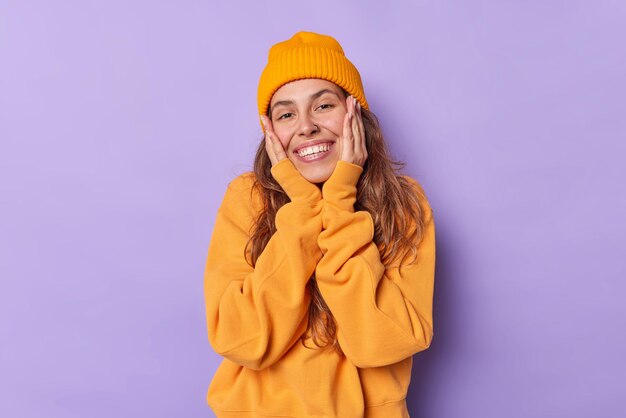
255 316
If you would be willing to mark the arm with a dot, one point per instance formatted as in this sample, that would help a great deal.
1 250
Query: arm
384 314
254 315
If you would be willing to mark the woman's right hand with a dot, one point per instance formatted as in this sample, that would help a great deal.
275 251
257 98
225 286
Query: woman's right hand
285 173
273 146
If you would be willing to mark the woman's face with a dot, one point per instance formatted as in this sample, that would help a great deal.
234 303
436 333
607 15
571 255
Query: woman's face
307 116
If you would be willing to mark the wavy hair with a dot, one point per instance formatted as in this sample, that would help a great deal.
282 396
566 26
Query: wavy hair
393 201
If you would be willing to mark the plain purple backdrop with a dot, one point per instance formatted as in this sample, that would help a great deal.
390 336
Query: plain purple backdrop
121 123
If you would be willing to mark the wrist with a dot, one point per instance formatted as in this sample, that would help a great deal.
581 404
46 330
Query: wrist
340 188
293 183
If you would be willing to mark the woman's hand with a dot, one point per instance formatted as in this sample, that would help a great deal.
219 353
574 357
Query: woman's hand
285 173
273 146
352 142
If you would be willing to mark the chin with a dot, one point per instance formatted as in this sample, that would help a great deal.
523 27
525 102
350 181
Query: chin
317 175
317 179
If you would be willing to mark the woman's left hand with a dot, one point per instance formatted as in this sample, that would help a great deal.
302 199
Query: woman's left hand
352 142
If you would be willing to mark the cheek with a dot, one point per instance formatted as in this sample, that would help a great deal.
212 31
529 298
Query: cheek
335 124
283 137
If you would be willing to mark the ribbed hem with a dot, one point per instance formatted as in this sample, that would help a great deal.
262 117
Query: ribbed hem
395 409
340 188
293 183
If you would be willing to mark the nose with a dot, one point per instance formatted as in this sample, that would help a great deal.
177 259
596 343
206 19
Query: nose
307 126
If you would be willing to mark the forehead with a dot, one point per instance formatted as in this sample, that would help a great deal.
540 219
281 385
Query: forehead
302 89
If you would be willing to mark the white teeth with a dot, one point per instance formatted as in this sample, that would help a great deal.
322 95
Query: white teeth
314 149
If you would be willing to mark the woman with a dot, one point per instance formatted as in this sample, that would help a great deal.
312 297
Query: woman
320 272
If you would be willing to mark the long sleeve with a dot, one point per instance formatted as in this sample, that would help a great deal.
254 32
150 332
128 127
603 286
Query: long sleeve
383 314
254 315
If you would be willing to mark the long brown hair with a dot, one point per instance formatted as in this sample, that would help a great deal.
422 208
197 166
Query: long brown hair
393 201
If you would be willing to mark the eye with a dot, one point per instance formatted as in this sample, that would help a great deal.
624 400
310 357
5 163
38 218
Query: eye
325 106
284 114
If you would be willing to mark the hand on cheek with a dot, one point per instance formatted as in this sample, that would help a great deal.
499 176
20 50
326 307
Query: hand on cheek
273 146
352 141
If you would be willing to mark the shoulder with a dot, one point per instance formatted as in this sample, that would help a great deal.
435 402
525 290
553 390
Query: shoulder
242 194
242 183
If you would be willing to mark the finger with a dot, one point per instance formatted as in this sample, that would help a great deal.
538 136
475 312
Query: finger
273 146
363 141
264 122
270 150
277 147
267 124
360 150
345 141
356 143
279 151
359 118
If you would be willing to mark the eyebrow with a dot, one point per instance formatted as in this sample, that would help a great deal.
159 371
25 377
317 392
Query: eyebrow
311 97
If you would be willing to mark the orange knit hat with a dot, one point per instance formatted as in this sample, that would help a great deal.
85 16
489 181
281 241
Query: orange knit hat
308 55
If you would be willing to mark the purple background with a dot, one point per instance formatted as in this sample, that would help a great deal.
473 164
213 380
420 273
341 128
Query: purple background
121 123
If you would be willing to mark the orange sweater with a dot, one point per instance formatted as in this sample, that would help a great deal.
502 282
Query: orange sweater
255 316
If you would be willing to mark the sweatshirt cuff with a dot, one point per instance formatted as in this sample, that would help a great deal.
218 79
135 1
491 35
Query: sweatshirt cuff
293 183
340 188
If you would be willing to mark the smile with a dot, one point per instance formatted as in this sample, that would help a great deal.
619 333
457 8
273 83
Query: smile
315 149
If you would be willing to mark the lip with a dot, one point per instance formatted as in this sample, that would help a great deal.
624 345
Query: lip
319 157
313 143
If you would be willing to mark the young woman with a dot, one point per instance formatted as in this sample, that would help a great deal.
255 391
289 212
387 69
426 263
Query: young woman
320 271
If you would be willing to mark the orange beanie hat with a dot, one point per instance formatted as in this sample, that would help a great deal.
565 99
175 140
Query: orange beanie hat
308 55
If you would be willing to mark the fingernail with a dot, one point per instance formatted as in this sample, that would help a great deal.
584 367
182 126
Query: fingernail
262 120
